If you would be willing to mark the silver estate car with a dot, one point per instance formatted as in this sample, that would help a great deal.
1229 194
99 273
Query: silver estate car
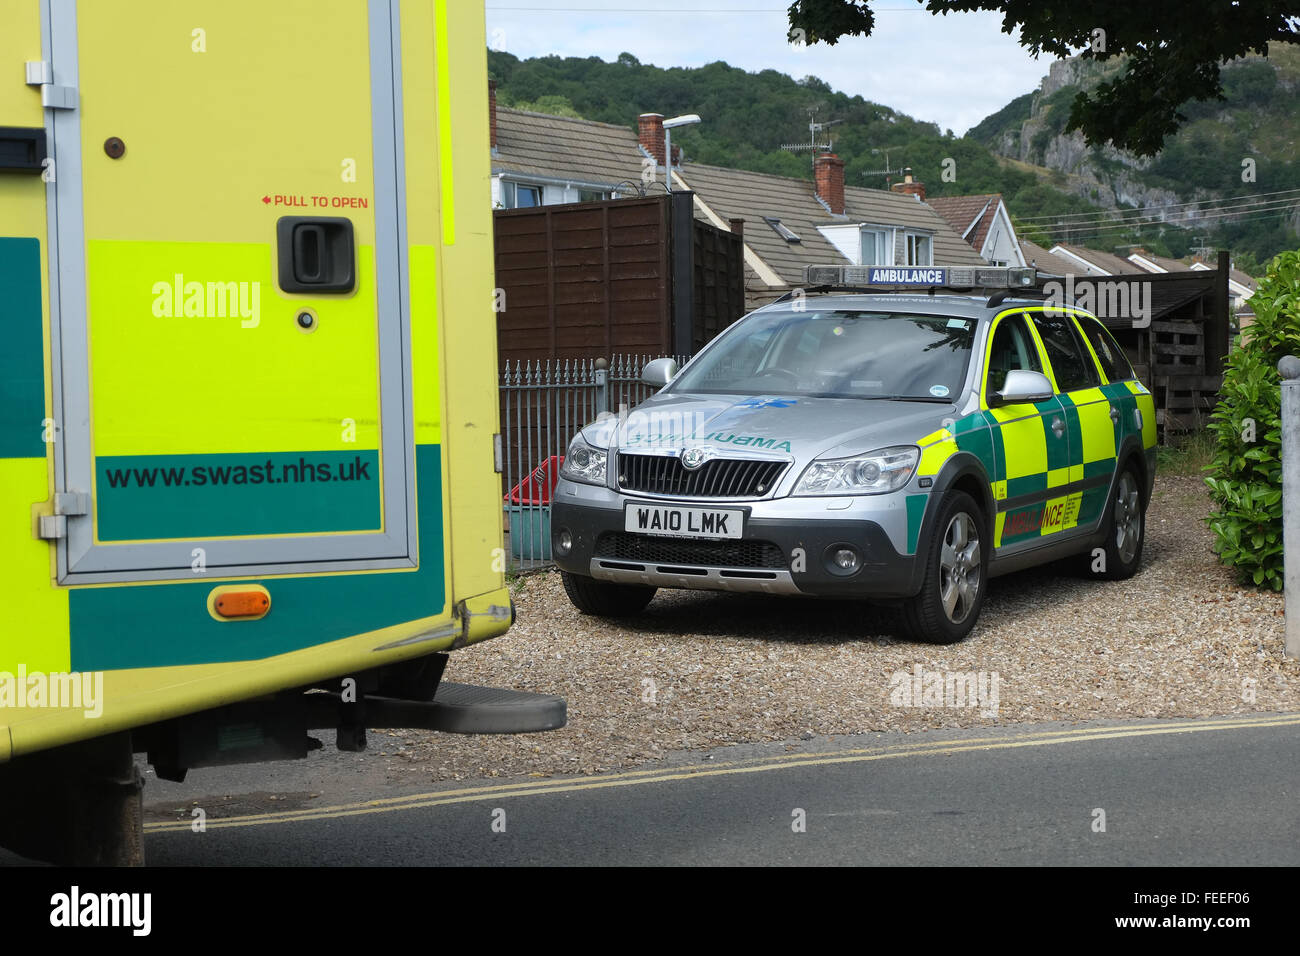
892 447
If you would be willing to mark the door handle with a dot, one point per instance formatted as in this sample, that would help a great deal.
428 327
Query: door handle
316 254
1114 414
1058 427
308 245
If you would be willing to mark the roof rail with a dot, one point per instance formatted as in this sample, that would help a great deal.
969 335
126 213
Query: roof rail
997 298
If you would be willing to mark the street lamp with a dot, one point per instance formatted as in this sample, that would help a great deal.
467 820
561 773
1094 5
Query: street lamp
687 119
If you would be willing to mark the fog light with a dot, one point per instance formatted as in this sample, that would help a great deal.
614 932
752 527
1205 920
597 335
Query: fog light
846 559
563 542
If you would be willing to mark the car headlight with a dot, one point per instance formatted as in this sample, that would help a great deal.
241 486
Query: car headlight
584 463
876 473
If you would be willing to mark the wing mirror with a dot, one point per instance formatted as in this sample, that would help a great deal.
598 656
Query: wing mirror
1022 387
659 372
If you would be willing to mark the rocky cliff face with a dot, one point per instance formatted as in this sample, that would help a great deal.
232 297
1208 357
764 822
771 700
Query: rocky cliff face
1105 176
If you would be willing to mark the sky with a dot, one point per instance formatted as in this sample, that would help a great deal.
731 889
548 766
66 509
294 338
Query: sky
951 70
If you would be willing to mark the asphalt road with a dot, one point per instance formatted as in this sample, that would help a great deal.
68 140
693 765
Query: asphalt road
1205 792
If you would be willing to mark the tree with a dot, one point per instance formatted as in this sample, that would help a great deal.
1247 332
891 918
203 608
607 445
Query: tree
1171 49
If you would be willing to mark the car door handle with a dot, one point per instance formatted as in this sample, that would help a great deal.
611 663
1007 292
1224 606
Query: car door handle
1114 414
1058 427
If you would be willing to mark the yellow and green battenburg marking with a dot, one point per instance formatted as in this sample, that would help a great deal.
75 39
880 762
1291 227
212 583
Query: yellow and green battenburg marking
1012 445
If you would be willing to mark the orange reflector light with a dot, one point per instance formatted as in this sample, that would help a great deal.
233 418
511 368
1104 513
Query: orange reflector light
240 603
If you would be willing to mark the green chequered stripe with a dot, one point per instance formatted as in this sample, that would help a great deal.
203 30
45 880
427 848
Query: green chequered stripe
915 515
22 359
1074 429
1094 500
1029 484
978 441
1091 469
999 470
163 625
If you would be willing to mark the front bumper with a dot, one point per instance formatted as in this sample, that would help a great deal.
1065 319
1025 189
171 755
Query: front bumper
787 546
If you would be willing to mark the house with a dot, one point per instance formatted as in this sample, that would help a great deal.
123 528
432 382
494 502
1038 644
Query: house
1093 262
1064 259
544 160
984 222
1240 286
786 224
789 224
1044 260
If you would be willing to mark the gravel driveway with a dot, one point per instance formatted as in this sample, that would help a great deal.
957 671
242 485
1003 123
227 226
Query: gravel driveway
702 670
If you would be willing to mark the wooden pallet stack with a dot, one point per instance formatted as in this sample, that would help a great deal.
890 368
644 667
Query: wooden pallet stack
1185 393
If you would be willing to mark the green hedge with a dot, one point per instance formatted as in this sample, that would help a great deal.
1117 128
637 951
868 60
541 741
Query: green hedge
1246 474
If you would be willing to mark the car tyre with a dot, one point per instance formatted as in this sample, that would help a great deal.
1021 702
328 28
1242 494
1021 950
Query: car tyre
1126 531
956 575
605 598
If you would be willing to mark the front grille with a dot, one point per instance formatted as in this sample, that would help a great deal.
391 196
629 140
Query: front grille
716 478
647 549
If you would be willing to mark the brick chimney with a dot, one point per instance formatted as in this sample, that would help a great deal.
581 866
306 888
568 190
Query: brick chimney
651 130
492 112
737 226
913 187
829 172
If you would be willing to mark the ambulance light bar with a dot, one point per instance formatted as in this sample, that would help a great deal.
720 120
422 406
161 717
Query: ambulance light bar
952 277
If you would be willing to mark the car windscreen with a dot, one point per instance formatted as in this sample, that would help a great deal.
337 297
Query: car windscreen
863 355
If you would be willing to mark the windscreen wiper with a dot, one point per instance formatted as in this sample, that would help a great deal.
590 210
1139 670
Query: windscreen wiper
905 398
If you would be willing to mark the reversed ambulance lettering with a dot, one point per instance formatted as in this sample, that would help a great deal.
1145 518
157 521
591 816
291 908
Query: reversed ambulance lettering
750 441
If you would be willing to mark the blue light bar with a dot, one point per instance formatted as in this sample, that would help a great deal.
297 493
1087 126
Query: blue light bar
952 277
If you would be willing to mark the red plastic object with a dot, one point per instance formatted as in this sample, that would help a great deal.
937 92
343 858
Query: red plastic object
538 487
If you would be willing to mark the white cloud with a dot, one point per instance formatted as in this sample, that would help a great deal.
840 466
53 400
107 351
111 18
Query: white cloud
951 70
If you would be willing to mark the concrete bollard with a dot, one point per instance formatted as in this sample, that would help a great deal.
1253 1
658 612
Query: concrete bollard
1289 369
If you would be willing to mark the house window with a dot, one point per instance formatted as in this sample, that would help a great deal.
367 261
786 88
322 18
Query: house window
591 195
920 251
520 195
877 248
785 233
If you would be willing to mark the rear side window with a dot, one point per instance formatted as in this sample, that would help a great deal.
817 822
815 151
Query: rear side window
1113 360
1071 362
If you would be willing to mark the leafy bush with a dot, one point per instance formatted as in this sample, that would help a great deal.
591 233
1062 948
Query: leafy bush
1246 474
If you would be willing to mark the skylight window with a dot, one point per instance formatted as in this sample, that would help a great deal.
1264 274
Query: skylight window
783 231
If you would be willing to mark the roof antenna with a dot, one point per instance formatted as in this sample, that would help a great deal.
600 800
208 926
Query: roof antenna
814 128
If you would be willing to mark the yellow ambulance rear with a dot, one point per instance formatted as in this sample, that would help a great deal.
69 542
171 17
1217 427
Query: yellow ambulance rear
247 370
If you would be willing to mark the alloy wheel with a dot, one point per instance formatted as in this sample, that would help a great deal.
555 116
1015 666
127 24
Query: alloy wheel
960 567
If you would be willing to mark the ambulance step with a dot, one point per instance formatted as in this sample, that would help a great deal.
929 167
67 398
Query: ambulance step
469 709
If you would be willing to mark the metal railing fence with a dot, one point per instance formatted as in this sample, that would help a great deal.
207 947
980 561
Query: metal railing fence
543 405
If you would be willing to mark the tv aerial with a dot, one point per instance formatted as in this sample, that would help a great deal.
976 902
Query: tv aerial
814 128
889 169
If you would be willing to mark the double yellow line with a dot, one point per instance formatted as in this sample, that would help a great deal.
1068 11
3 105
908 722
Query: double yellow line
634 778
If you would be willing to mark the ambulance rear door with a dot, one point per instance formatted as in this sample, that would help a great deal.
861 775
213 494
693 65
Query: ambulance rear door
230 317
